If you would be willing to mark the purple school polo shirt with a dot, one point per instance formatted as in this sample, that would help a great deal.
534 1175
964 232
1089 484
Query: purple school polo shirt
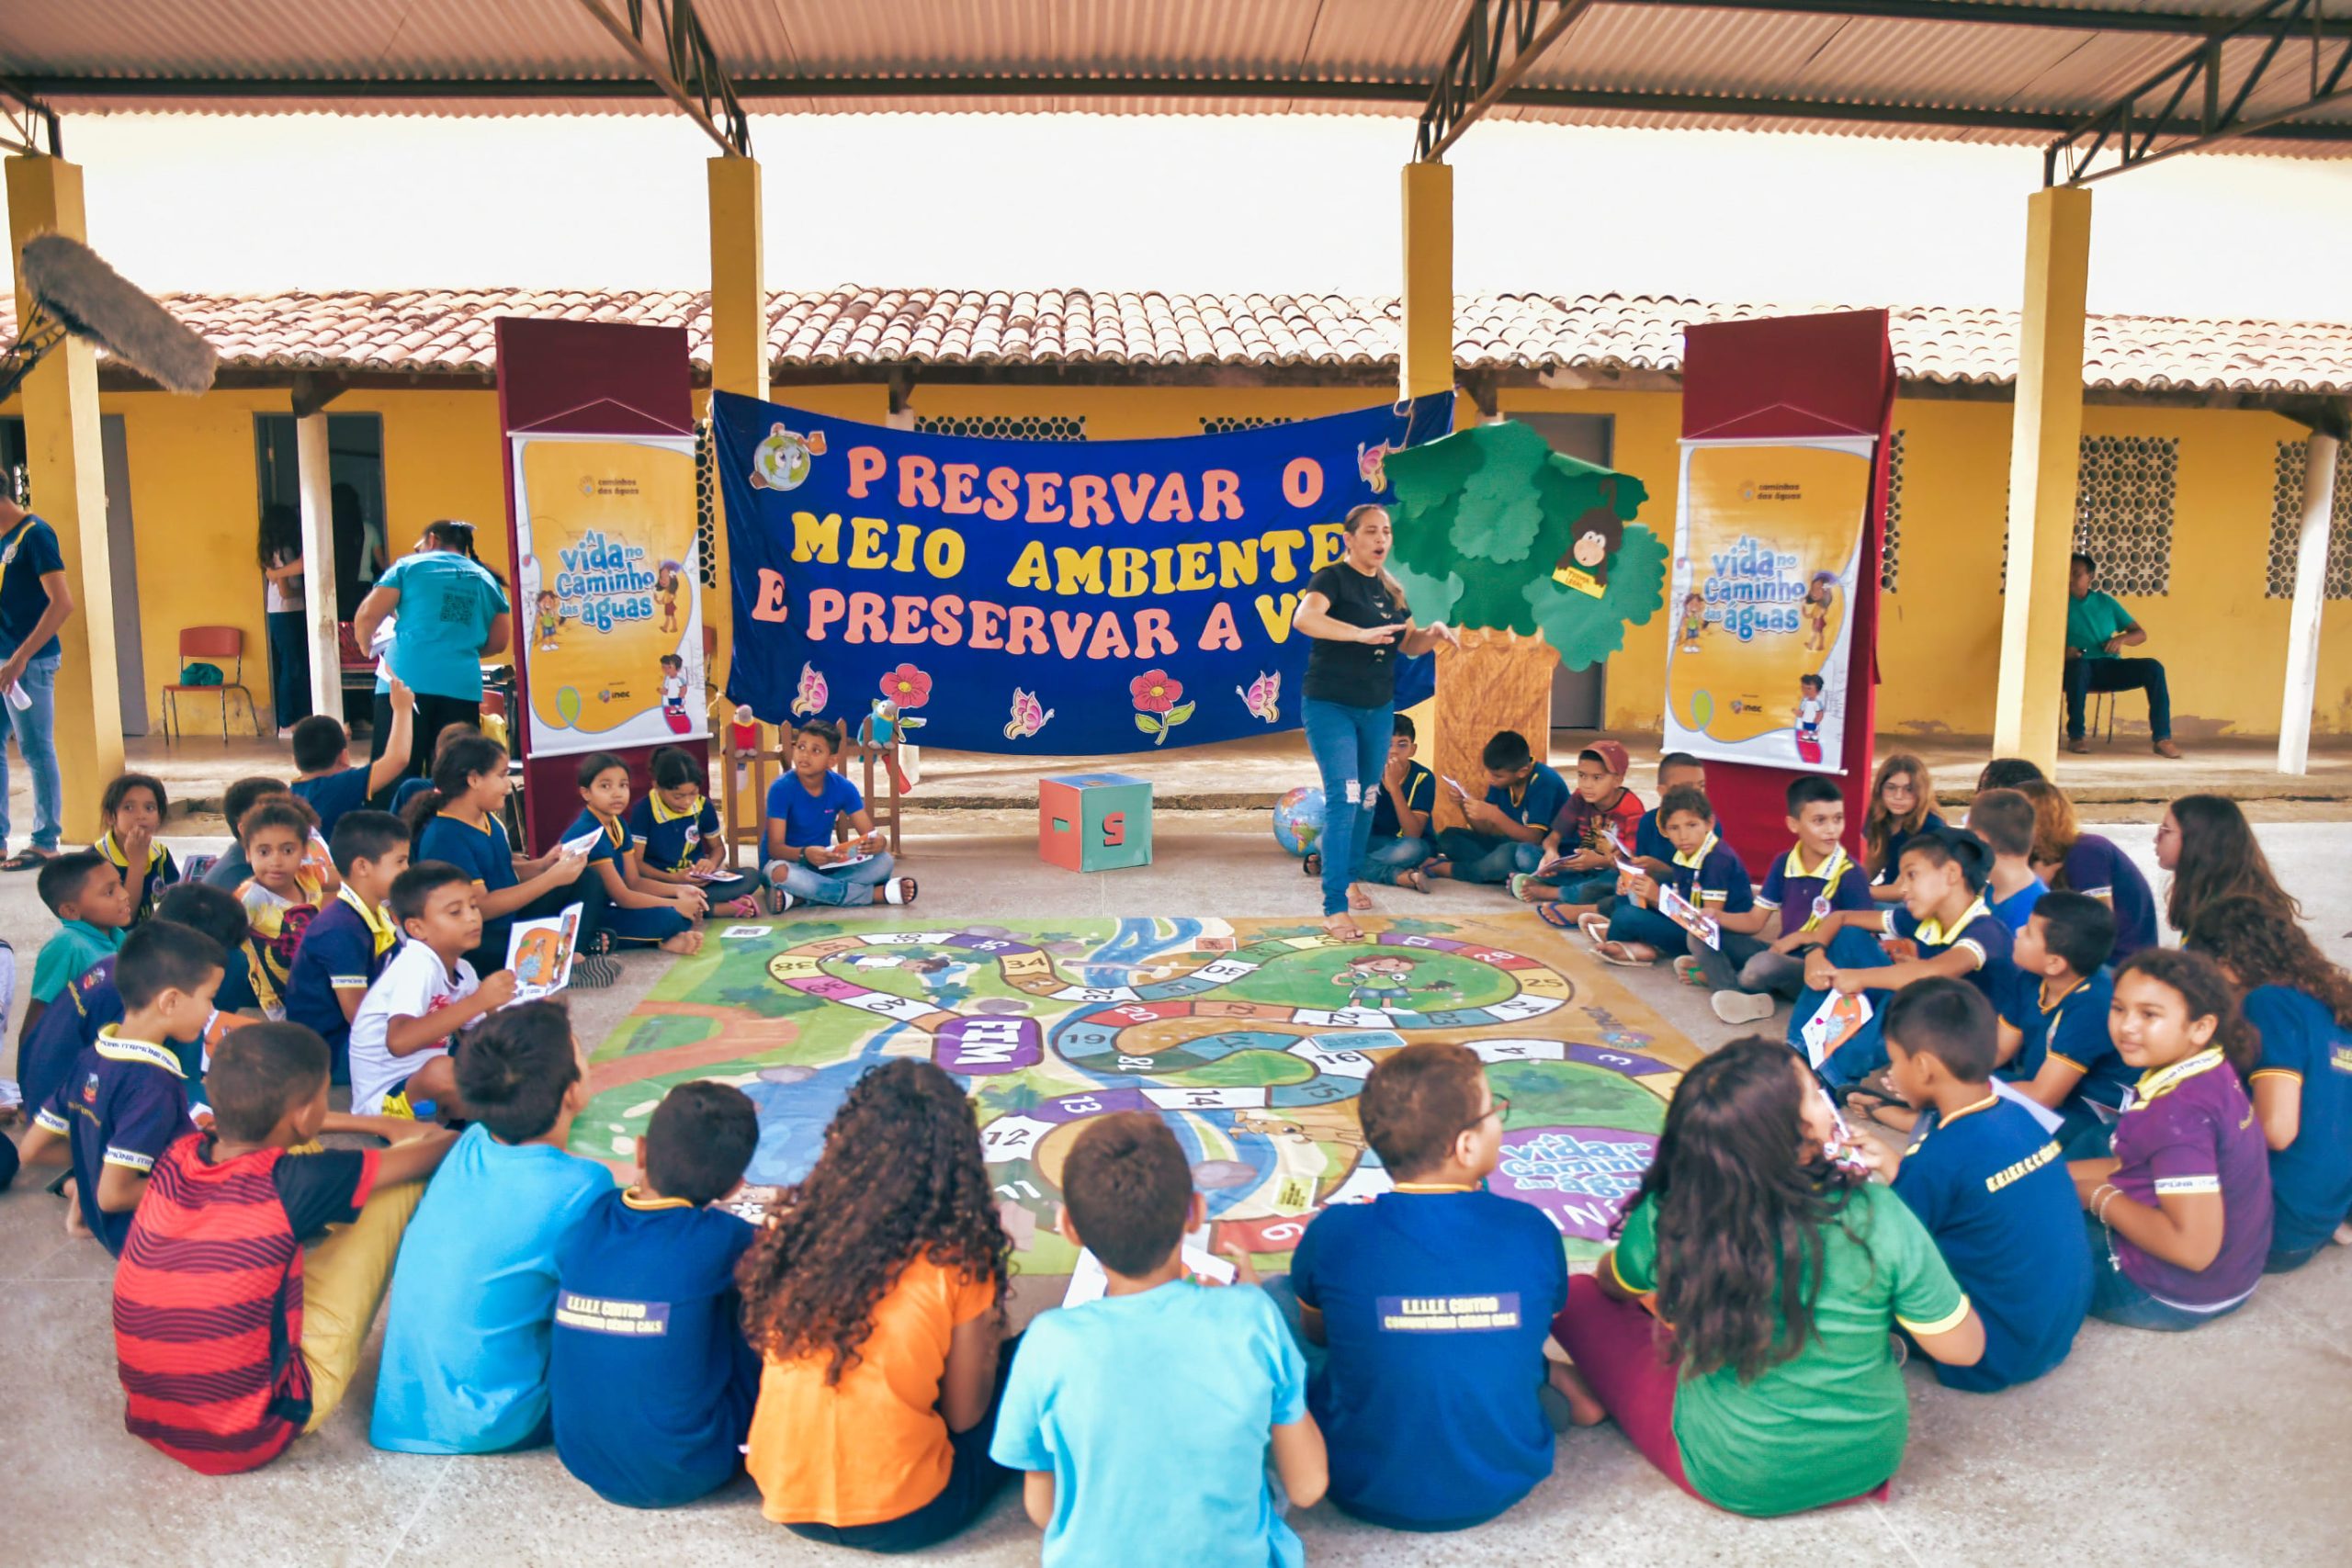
2189 1128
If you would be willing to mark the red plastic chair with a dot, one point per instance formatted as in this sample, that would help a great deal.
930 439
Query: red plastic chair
213 643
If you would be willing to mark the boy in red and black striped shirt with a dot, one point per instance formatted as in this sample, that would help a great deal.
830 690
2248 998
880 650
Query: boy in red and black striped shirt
219 1364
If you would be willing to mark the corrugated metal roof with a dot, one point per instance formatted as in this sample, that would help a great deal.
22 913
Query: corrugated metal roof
1685 50
448 332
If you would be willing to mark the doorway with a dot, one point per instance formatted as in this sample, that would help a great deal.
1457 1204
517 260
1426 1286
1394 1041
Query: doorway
131 665
1579 697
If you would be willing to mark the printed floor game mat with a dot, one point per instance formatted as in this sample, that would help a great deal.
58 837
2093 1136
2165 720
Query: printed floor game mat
1252 1037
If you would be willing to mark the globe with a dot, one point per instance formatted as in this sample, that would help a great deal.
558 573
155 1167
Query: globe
1298 819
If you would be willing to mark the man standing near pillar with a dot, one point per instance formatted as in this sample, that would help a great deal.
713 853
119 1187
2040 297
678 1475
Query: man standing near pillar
2096 628
34 601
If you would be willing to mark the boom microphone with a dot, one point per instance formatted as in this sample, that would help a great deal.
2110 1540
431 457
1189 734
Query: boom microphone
75 294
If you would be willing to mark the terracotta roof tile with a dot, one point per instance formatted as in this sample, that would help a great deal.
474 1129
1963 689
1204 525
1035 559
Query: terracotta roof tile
448 331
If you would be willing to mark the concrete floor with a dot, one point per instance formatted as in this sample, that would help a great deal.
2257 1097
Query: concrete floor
2228 1443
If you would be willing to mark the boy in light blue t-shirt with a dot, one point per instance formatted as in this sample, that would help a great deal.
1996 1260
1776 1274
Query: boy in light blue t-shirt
468 1334
1213 1373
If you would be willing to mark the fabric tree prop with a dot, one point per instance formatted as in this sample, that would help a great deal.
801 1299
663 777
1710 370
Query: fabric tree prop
1536 556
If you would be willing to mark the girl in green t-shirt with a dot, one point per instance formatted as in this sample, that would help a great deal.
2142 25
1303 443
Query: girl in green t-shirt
1766 1381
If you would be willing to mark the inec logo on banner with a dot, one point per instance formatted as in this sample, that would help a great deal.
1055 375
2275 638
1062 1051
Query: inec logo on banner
1767 543
606 592
1086 597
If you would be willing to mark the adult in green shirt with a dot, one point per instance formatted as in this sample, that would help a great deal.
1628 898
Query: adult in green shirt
2095 626
1782 1272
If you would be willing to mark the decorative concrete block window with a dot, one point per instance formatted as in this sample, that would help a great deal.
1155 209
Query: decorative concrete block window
1006 427
2286 523
707 501
1226 425
2123 508
1890 548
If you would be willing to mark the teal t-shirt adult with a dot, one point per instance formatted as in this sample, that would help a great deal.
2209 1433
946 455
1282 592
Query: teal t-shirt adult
1153 1411
468 1336
2092 619
446 605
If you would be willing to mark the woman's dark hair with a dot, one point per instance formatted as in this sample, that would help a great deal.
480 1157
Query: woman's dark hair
1879 827
2219 859
1956 846
1740 1212
1356 517
2008 773
2055 828
460 759
450 533
2207 992
2260 946
282 534
673 767
597 763
900 1177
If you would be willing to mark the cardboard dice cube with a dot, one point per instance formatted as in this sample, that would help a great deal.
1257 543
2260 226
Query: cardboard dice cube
1094 821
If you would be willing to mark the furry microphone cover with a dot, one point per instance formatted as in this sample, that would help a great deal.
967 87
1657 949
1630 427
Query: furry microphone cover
92 300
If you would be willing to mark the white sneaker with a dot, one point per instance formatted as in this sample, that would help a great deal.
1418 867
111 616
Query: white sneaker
1741 1007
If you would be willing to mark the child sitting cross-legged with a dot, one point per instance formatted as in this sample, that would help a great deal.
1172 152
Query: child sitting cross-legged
133 806
2055 1044
651 1381
345 949
636 910
467 1336
1757 958
2179 1217
329 782
1212 1370
1400 817
1504 835
409 1021
1704 872
458 820
2303 1084
1943 928
683 843
805 806
125 1099
282 896
1990 1186
2004 818
232 1339
93 910
875 1298
1760 1378
1594 829
1429 1405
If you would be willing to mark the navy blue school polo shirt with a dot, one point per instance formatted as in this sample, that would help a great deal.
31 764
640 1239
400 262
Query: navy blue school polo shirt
1992 1188
1895 842
1805 895
1977 931
27 554
613 839
2074 1028
1717 880
2099 866
808 818
124 1102
1436 1306
1650 841
2017 908
652 1382
342 949
2311 1178
1539 799
674 840
70 1024
332 795
1420 795
482 853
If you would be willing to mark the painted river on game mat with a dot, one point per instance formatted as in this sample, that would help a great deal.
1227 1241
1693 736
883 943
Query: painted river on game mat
1252 1037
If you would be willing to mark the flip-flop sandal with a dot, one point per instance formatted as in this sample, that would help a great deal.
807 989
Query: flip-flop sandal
898 890
1594 925
1413 879
1438 865
1553 915
1310 864
594 973
744 908
1623 958
1689 972
28 859
1353 932
1518 884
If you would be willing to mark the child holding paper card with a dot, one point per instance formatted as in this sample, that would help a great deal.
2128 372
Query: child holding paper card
640 910
458 820
1705 873
402 1036
684 843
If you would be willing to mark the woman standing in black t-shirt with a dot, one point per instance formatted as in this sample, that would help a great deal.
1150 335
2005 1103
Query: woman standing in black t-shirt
1357 614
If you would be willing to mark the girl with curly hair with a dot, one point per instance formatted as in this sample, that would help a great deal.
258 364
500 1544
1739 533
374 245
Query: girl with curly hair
1782 1272
875 1299
2207 844
2072 861
2180 1218
2302 1082
1903 802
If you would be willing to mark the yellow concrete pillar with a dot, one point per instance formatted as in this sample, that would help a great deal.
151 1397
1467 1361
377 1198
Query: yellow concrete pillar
739 331
67 470
1426 357
2045 452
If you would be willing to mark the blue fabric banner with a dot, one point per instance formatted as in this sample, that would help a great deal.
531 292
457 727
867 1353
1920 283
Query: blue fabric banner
1054 597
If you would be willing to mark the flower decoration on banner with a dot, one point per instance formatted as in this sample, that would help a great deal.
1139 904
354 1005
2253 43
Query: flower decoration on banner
1262 698
906 687
1028 716
810 699
1158 704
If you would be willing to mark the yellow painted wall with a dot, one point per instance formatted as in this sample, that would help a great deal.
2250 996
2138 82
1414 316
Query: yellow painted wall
2223 641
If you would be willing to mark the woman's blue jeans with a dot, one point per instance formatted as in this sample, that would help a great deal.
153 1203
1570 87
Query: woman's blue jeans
1351 747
